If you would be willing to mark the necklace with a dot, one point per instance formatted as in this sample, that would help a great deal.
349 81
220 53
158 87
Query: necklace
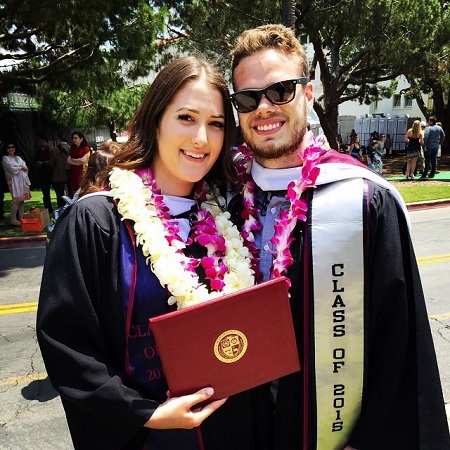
227 265
287 220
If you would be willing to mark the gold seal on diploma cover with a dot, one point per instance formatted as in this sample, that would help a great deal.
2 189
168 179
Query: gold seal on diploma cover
230 346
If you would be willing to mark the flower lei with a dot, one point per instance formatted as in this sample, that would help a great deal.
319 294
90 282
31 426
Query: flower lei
227 265
287 220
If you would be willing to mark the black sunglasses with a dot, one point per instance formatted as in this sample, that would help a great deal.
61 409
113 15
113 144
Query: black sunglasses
278 93
11 146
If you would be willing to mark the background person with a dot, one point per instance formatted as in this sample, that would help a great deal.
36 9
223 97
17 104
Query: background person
414 141
355 148
96 176
59 169
439 152
388 145
16 173
369 377
3 190
101 284
43 154
79 154
434 137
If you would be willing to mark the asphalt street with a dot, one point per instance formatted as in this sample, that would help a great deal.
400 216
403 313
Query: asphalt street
31 416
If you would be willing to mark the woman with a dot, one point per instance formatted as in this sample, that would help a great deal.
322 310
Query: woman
101 285
79 154
16 172
414 141
95 178
355 148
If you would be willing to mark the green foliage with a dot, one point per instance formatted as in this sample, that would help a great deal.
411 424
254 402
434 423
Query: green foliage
79 58
210 27
91 107
81 53
47 40
356 44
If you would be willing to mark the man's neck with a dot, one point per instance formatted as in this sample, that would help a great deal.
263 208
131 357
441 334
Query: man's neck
290 160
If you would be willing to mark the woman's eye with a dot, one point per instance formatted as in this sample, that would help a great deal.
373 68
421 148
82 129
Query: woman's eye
184 117
218 124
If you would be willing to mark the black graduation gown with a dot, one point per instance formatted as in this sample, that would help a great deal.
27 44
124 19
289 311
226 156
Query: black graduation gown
81 333
402 402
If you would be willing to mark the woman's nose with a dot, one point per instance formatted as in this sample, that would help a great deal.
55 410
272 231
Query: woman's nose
200 138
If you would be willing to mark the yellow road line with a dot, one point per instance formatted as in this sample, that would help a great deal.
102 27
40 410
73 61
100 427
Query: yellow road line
439 317
18 308
11 381
433 259
32 306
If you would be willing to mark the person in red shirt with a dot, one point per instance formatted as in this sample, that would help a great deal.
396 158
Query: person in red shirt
78 157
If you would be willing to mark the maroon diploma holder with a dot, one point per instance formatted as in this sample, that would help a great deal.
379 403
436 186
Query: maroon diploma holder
232 343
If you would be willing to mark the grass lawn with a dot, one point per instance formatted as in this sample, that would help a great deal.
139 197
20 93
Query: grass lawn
6 230
411 191
414 191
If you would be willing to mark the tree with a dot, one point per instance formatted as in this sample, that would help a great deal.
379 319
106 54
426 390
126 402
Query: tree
428 71
46 40
103 100
353 41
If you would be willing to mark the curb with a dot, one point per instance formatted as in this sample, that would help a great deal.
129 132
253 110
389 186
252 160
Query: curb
23 241
428 205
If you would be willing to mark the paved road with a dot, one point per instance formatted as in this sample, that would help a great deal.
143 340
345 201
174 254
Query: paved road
31 416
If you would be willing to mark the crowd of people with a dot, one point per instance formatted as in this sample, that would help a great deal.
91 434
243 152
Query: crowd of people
378 145
155 231
423 143
59 166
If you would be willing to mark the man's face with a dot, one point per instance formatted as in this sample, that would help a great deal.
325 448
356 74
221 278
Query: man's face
273 132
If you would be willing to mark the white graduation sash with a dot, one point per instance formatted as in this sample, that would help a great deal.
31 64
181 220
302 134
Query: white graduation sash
338 274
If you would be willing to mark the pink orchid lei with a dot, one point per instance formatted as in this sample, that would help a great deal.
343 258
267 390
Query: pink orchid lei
227 264
287 220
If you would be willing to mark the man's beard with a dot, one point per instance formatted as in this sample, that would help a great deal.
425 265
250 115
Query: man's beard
268 151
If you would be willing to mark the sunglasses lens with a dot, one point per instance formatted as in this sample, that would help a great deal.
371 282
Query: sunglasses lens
281 92
277 93
246 101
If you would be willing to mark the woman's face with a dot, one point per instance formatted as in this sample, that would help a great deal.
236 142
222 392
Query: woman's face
11 149
190 137
76 140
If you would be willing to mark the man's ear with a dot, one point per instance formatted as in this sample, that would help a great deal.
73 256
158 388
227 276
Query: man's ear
309 92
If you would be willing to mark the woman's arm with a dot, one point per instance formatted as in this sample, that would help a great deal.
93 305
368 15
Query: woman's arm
76 161
82 160
9 166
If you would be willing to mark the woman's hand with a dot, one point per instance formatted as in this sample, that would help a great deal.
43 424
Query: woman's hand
180 412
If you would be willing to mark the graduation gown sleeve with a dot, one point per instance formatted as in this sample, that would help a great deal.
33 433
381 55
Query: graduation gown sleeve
402 404
80 328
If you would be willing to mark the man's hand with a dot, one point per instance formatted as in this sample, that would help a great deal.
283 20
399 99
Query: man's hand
180 412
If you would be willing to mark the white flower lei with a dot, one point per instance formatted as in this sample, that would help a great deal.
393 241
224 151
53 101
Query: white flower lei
165 256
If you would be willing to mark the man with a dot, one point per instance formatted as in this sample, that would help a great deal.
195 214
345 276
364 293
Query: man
369 377
434 137
59 169
44 150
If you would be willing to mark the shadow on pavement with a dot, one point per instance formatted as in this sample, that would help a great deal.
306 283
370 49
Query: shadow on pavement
40 390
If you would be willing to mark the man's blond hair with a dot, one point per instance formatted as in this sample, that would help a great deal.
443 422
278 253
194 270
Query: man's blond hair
275 36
